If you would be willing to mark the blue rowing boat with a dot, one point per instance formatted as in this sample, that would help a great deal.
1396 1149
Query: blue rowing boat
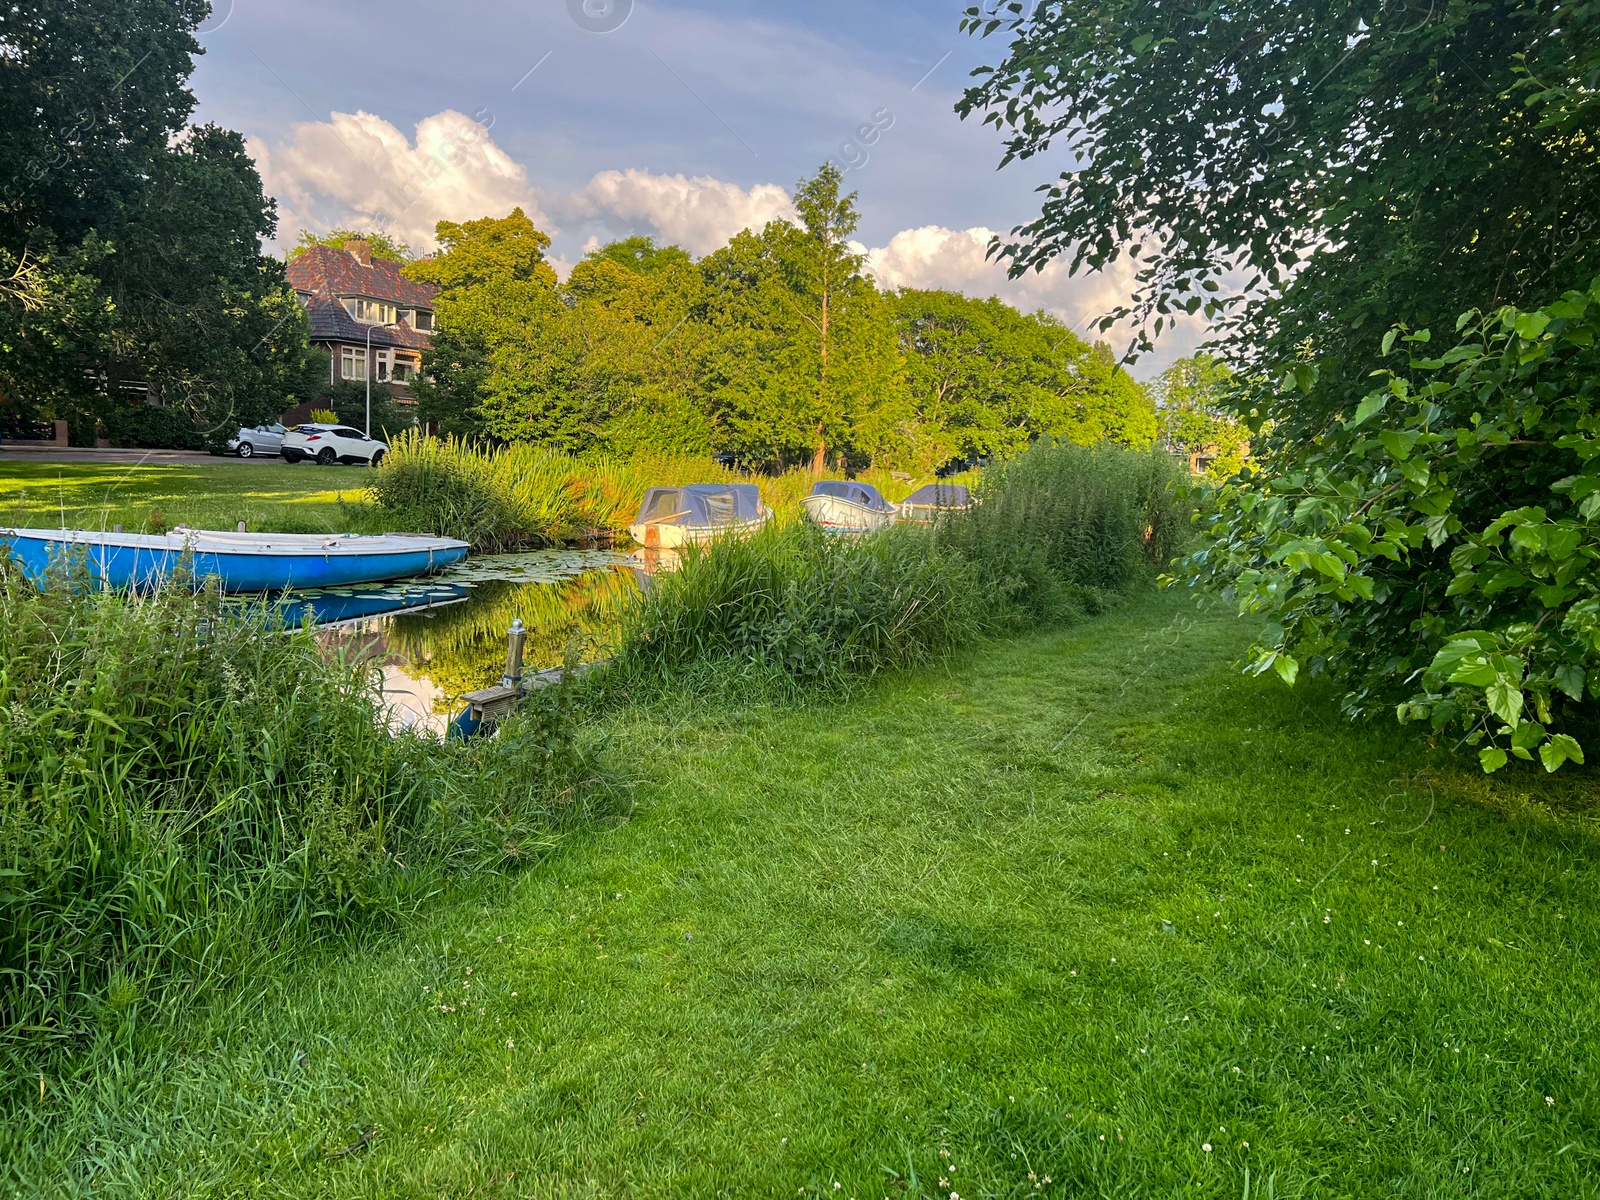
241 562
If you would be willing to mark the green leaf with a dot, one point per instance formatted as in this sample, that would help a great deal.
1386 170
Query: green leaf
1492 758
1530 325
1559 749
1288 669
1569 678
1398 444
1370 406
1504 698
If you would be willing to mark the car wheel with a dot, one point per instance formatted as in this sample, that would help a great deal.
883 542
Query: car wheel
376 458
246 450
326 456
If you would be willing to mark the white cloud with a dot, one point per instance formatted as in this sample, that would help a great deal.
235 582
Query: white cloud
358 169
700 214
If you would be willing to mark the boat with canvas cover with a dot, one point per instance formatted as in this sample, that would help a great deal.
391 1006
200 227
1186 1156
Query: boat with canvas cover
240 562
697 512
931 501
847 506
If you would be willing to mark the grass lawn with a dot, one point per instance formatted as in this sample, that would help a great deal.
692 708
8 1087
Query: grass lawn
1090 916
266 495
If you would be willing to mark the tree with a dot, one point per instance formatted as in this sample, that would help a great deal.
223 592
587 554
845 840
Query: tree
1192 406
495 287
991 379
803 356
1350 163
382 245
131 238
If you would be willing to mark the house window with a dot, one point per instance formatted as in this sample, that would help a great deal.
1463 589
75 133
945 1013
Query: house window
422 320
353 362
405 370
380 365
371 312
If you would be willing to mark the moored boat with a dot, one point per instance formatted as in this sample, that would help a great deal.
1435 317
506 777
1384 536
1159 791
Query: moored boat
931 501
240 562
846 506
677 516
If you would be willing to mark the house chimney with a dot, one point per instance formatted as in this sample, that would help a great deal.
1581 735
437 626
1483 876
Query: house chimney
360 250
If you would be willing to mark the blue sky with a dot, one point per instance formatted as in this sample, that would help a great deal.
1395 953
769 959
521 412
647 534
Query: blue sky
688 120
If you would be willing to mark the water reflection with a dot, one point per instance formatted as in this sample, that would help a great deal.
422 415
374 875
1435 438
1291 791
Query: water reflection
444 637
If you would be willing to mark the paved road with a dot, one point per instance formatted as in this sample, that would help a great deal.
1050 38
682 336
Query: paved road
57 454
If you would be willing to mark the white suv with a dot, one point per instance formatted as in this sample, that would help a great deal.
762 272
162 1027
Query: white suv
328 444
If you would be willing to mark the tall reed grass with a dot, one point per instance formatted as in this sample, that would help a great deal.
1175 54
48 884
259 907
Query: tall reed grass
185 789
802 607
519 496
1059 530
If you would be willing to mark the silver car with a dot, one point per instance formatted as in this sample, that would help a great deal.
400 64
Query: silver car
263 439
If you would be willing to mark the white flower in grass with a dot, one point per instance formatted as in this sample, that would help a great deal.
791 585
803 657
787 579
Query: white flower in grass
1206 1146
1550 1100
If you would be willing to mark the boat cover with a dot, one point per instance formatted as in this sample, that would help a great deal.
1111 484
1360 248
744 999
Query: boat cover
940 495
863 494
701 504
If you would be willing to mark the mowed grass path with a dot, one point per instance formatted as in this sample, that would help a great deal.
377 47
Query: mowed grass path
267 496
1093 916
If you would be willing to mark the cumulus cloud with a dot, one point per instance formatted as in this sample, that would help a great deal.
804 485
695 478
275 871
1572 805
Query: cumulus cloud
357 169
700 214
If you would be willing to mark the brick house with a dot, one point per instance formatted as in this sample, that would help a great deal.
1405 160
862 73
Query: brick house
348 295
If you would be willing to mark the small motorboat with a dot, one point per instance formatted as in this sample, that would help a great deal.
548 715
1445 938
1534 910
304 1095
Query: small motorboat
845 506
676 516
241 562
932 501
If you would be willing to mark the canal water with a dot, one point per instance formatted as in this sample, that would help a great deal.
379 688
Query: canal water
438 638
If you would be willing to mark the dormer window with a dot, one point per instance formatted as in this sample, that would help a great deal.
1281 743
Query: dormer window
422 320
370 312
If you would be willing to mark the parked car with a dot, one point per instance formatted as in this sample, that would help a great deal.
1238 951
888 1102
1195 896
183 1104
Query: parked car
327 444
263 439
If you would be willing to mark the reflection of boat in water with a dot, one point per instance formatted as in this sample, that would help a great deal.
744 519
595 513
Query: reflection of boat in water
240 562
931 501
333 608
846 506
678 516
650 562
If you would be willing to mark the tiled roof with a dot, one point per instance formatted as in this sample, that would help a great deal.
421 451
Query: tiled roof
326 271
331 323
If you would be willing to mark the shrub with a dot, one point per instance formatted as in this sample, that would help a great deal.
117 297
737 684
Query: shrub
184 786
1436 549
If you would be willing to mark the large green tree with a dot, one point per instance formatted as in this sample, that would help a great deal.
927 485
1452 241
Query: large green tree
495 291
803 359
1344 163
130 238
987 379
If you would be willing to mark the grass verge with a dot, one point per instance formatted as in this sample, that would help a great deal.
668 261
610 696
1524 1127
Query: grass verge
1094 910
266 496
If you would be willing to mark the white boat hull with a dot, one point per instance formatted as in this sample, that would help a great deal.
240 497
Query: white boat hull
845 516
666 536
